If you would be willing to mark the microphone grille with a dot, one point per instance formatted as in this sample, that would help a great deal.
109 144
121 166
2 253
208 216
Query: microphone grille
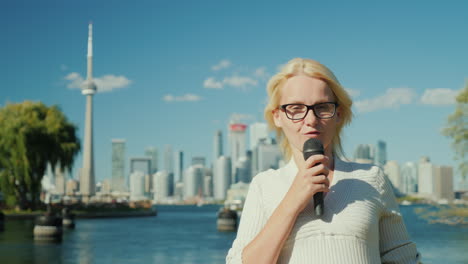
312 146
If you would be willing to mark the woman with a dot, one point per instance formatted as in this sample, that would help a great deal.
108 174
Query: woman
361 222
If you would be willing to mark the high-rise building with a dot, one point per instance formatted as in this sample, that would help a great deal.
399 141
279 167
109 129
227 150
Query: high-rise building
179 191
161 186
258 132
381 153
137 186
104 186
60 180
244 169
179 167
87 180
363 154
217 145
267 155
237 144
208 183
142 164
409 178
199 161
392 170
119 182
193 181
152 153
426 177
72 187
168 159
221 177
443 183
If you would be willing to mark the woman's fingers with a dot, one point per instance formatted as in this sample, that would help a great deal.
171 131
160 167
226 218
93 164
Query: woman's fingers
314 160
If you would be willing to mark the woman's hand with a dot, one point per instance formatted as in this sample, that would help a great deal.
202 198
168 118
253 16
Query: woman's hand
311 179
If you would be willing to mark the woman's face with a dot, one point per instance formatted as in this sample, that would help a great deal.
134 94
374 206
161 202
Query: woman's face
309 91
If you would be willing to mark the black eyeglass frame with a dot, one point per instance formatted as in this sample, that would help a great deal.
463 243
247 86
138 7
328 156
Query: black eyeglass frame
310 107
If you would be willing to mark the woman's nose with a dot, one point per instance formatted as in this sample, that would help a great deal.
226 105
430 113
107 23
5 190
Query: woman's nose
310 118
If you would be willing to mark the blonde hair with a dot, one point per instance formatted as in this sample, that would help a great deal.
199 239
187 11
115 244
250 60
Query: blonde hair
311 68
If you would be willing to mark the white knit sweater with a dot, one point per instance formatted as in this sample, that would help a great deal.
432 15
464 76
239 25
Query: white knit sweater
361 221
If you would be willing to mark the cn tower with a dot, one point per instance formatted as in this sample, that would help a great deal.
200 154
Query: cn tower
87 179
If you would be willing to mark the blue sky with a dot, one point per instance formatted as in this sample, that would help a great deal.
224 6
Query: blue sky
173 72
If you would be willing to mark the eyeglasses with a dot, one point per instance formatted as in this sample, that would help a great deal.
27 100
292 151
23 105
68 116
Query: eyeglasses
299 111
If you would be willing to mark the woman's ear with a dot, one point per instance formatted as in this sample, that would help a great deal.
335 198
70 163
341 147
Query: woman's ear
276 117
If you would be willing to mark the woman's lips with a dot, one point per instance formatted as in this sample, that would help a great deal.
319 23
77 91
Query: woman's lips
313 134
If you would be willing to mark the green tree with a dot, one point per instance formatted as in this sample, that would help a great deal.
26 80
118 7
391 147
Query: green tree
457 129
31 136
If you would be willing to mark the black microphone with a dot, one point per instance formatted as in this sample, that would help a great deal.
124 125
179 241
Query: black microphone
313 146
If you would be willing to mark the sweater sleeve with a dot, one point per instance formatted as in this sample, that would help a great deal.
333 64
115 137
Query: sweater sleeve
252 221
395 244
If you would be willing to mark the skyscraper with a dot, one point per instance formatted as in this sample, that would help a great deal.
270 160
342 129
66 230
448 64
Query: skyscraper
426 177
244 169
258 132
137 186
179 167
221 177
152 153
161 186
392 170
237 144
168 159
208 183
409 178
198 160
217 145
60 180
118 165
363 153
268 156
443 183
381 153
143 165
87 181
193 181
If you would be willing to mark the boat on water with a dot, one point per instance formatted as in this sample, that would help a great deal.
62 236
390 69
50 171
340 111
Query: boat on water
406 202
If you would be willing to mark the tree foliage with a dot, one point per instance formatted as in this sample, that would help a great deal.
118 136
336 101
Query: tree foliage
457 129
31 136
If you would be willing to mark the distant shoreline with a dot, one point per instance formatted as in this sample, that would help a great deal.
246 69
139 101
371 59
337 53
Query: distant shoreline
86 215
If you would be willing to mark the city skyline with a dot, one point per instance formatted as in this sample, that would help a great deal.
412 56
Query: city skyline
210 66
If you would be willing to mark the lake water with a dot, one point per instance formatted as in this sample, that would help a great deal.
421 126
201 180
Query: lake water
184 234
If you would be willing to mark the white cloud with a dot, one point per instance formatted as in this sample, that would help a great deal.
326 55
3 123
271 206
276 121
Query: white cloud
237 117
353 92
239 81
261 73
439 96
182 98
105 83
211 83
75 80
110 82
223 64
393 98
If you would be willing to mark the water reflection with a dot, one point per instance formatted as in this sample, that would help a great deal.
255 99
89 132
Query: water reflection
181 235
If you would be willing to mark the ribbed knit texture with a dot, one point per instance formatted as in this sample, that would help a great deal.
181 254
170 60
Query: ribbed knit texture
361 223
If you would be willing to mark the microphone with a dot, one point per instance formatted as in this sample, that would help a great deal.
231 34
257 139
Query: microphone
312 147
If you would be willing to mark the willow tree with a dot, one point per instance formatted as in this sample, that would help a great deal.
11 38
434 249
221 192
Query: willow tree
457 129
31 136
